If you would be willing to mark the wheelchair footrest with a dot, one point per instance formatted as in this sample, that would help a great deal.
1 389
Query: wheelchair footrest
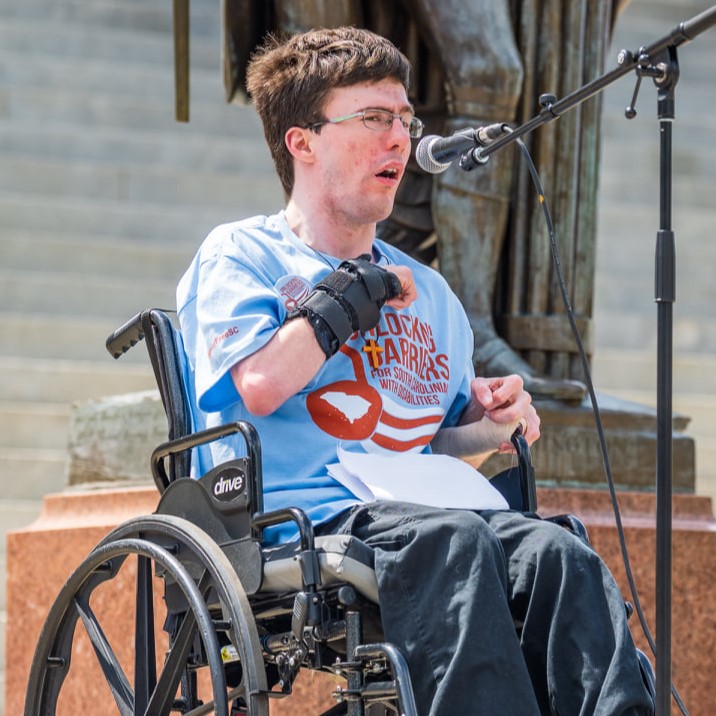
367 656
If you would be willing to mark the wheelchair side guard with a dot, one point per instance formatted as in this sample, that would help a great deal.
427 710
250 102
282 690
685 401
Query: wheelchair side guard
226 522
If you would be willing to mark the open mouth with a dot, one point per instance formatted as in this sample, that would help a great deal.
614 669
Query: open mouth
389 174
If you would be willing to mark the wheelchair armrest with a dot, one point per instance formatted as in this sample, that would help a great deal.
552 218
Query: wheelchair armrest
571 523
308 558
289 514
528 484
173 447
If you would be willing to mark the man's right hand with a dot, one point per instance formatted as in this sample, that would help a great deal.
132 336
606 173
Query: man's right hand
409 291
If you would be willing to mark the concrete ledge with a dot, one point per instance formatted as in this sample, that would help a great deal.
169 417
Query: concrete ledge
41 557
568 453
112 438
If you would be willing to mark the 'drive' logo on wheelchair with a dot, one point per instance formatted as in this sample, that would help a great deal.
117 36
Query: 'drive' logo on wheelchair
229 484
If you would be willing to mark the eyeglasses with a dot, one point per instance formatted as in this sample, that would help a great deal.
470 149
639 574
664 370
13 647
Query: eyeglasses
379 120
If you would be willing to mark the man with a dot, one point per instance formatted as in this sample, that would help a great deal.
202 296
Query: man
337 346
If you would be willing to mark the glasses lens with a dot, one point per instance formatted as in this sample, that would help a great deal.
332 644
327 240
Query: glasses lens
415 128
378 120
381 120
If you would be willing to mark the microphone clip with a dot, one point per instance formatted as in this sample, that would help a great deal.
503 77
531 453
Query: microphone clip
484 136
472 159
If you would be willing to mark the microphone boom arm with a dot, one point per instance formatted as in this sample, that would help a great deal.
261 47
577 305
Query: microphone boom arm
552 108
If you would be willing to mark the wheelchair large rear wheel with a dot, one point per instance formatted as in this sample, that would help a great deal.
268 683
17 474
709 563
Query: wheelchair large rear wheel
143 670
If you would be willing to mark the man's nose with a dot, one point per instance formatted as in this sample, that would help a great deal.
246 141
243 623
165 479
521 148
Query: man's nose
399 133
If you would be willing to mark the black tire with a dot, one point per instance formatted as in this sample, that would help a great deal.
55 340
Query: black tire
188 559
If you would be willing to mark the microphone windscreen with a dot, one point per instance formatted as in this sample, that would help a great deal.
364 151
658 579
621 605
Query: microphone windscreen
424 156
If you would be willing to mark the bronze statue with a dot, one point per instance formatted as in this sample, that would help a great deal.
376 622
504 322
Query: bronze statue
477 62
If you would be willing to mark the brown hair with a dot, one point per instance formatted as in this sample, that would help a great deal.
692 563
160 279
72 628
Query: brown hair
289 80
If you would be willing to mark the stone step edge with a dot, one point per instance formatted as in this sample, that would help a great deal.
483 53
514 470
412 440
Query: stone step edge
204 49
63 366
196 138
174 169
37 454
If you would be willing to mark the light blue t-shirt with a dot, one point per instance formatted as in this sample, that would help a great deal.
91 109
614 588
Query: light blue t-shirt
387 390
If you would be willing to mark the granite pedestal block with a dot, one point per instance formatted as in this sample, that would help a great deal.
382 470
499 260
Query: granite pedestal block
41 557
108 474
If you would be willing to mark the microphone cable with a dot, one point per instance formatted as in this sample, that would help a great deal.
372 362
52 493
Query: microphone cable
595 407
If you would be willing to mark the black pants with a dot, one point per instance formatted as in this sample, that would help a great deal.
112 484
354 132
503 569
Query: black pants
499 613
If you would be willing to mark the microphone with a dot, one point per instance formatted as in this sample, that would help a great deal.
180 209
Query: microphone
435 154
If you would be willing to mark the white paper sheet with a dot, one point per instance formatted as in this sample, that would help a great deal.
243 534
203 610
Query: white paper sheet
436 480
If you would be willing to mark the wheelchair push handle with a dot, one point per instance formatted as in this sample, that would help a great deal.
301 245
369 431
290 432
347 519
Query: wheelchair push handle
126 336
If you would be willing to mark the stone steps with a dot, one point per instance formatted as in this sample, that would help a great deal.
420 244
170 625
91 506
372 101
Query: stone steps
635 290
29 425
132 183
31 103
637 369
98 215
138 222
135 15
67 381
100 77
68 337
633 329
97 296
153 148
33 472
69 39
94 254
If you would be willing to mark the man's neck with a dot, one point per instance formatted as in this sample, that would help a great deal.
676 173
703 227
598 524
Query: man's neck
328 235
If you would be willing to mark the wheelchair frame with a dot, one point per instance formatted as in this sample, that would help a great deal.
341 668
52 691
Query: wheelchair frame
204 542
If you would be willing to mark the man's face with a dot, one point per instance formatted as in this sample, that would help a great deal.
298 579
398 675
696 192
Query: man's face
357 169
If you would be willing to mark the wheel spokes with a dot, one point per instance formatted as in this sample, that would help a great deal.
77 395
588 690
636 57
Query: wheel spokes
145 660
173 669
111 668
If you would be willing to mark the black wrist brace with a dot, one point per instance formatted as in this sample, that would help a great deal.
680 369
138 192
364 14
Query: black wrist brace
347 300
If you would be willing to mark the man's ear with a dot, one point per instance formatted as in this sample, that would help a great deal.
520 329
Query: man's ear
299 144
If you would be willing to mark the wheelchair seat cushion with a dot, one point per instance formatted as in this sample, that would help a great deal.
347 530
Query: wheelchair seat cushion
342 559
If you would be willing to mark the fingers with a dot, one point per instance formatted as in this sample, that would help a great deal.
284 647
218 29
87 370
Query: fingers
496 394
530 424
409 290
505 401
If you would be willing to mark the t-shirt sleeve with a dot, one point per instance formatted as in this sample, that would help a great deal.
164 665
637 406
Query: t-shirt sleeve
236 312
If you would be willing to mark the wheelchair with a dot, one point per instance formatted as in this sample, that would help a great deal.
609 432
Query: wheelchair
242 620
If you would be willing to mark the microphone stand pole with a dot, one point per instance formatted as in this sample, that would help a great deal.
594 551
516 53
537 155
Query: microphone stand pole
659 61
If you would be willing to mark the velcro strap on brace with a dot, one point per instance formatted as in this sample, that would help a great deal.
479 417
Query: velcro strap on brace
348 299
